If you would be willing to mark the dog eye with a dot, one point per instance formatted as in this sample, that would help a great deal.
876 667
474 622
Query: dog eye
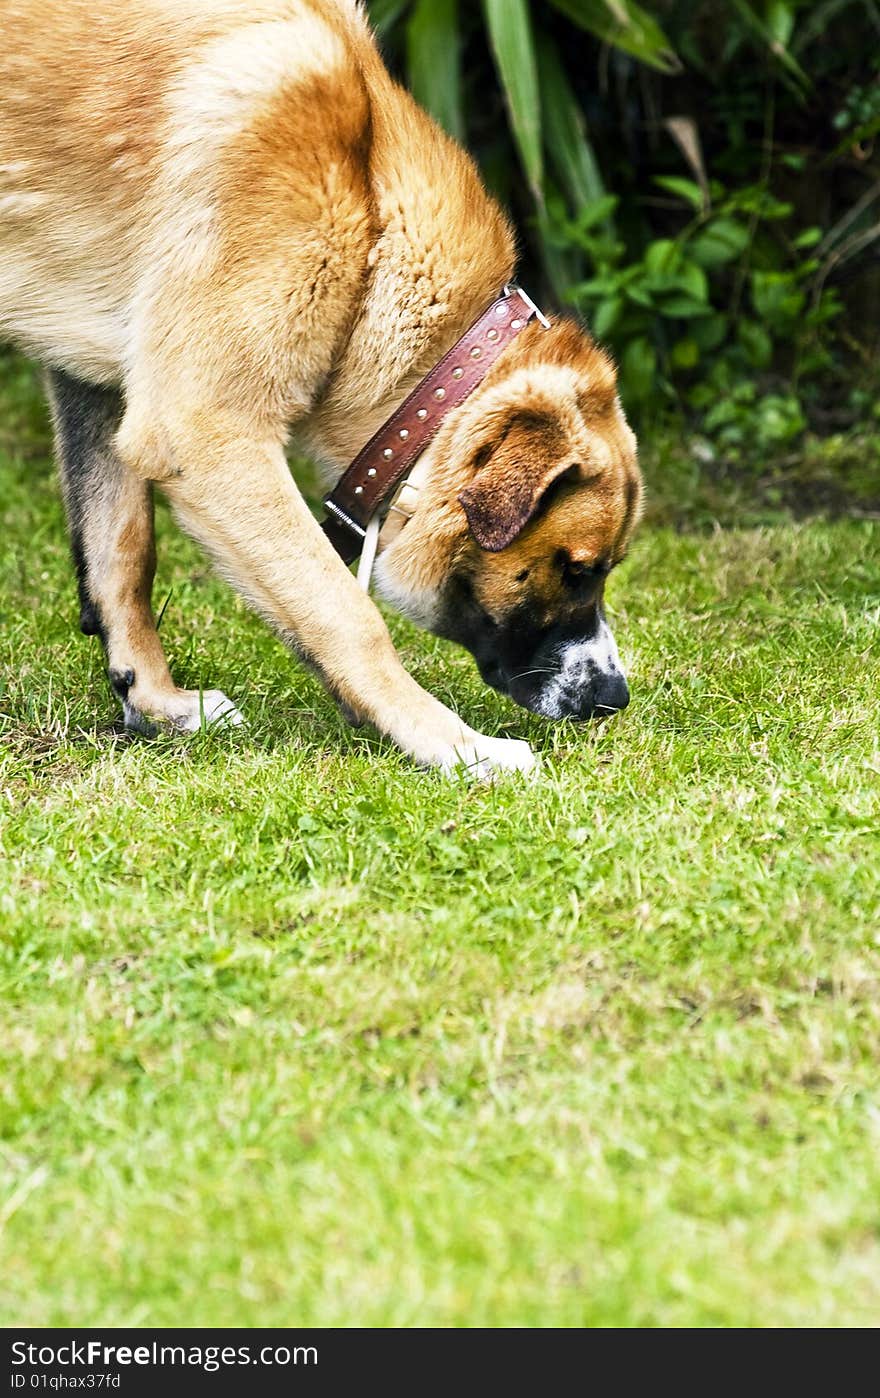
576 574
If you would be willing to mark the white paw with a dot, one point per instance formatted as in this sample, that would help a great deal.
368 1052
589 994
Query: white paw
484 758
215 707
183 711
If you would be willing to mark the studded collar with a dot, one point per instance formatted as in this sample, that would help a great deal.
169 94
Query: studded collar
382 464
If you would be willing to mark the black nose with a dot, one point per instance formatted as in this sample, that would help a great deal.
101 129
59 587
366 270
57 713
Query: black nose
568 675
611 693
605 696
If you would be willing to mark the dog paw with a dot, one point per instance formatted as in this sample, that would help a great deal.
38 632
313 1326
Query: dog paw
183 711
216 708
486 758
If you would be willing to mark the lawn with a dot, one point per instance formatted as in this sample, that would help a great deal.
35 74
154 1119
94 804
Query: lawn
291 1033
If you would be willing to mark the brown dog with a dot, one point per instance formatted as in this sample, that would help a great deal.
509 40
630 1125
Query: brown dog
223 223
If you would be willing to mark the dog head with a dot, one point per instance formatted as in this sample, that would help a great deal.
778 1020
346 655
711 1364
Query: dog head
530 494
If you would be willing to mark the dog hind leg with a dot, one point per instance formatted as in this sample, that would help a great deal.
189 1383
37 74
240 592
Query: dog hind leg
110 517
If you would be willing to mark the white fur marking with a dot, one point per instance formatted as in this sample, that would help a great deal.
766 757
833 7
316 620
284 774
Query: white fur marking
483 758
217 96
420 605
579 662
184 713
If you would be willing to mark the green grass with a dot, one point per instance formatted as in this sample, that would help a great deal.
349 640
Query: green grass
292 1033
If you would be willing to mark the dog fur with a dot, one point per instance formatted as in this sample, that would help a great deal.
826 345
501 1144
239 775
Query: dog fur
223 224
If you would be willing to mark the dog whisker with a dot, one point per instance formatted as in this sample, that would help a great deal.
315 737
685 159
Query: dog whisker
539 670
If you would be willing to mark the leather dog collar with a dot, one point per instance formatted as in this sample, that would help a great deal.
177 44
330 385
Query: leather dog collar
388 455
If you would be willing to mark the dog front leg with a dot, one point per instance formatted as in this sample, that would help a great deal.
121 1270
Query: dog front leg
237 497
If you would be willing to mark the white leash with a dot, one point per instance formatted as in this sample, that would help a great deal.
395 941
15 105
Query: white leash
404 506
368 553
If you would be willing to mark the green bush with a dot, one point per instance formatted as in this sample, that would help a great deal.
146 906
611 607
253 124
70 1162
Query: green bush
699 182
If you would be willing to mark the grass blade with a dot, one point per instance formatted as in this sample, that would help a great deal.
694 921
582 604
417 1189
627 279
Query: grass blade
565 131
625 26
510 35
434 62
385 13
772 42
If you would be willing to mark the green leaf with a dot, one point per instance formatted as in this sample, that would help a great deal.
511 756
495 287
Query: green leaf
682 307
693 280
685 353
598 212
815 25
709 331
384 13
638 368
562 259
510 35
565 136
663 255
776 299
756 343
434 62
718 242
780 21
606 316
625 26
599 286
779 419
866 132
685 189
771 41
640 292
809 238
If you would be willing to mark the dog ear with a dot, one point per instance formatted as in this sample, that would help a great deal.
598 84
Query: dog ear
512 476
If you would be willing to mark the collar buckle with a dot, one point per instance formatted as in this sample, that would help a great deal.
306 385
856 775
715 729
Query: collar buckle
514 287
